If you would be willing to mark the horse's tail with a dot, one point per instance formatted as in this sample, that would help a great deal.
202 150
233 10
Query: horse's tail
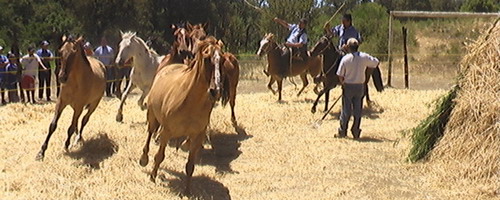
377 79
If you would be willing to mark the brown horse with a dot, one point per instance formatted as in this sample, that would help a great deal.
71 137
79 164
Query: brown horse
230 78
83 85
181 101
229 63
331 60
279 65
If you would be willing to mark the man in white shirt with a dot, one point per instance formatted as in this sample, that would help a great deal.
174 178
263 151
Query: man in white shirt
351 73
30 62
105 54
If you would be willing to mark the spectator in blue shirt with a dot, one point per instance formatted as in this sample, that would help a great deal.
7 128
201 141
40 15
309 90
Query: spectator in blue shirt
297 40
44 74
344 31
3 63
10 78
104 53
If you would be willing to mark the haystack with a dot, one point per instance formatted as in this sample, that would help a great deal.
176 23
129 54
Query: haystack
469 151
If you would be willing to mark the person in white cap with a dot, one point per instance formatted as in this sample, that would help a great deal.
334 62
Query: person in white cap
3 63
351 73
87 47
44 74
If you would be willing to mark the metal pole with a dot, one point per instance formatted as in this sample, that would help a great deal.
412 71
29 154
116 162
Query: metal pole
405 31
389 52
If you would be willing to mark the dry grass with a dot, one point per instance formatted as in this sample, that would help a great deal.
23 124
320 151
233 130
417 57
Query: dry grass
277 155
469 152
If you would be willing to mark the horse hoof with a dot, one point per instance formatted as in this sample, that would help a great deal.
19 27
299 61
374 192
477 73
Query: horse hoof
144 160
313 110
119 118
39 156
152 178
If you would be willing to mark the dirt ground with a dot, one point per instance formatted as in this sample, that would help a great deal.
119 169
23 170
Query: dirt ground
274 153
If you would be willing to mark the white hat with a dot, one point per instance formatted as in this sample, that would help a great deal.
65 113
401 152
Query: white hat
87 45
1 48
45 42
352 42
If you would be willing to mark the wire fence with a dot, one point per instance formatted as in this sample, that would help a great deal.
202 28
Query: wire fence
248 63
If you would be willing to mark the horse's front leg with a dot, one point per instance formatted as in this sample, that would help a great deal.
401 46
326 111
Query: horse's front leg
280 88
194 150
140 102
74 125
53 125
119 115
270 85
305 82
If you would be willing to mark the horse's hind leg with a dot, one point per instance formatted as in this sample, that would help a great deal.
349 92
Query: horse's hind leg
194 150
232 102
368 100
119 115
305 82
327 99
53 125
74 125
153 126
91 108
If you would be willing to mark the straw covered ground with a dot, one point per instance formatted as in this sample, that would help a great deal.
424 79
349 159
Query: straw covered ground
469 152
275 153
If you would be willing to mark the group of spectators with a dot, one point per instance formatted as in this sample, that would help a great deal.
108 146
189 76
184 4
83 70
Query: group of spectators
18 74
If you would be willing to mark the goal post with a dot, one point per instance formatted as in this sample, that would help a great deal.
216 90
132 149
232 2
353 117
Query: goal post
424 14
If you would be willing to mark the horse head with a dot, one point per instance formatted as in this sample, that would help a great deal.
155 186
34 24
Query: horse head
182 38
68 51
210 52
196 34
265 44
127 48
323 44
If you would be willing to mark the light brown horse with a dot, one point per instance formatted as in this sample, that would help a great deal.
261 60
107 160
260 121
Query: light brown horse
279 65
229 63
181 101
83 84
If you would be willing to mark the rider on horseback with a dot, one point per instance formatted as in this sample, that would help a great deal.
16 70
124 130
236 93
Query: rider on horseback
344 31
297 40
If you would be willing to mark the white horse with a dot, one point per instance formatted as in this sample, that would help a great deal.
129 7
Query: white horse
144 64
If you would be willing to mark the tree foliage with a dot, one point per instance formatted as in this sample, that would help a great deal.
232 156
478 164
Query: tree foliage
238 24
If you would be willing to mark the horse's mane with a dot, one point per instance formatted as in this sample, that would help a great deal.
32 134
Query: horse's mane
130 35
198 57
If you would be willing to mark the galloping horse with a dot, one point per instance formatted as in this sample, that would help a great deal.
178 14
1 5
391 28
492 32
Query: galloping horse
229 62
83 85
279 65
144 64
181 101
331 61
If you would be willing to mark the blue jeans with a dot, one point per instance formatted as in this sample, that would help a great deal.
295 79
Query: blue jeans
352 104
